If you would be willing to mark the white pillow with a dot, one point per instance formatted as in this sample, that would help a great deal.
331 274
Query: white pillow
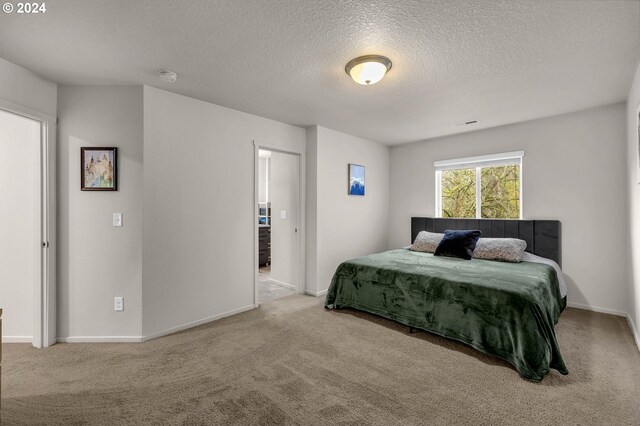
426 242
503 249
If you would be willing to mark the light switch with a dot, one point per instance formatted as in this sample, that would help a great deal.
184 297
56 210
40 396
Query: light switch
117 219
283 214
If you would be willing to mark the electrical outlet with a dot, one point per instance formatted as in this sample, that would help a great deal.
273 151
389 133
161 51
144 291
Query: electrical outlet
118 303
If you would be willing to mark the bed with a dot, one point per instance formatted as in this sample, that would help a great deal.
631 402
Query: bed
508 310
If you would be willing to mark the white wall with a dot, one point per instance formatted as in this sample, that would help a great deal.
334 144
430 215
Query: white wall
23 87
283 193
19 155
97 261
263 179
199 218
633 179
311 212
572 171
344 226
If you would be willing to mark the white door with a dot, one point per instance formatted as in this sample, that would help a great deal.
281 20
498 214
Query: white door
20 139
284 197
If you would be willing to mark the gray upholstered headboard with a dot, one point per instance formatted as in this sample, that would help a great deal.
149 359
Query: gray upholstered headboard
542 236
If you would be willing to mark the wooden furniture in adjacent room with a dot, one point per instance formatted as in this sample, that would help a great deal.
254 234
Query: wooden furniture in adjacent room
264 246
264 234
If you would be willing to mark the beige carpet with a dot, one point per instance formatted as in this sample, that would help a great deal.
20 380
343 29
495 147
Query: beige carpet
292 362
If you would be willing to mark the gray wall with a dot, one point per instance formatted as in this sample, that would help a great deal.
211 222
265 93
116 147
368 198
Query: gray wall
633 179
97 261
572 171
311 213
27 89
344 226
263 179
199 213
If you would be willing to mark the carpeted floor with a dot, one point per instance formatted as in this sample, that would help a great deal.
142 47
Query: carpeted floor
292 362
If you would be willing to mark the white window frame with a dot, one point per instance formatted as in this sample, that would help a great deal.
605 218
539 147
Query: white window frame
502 159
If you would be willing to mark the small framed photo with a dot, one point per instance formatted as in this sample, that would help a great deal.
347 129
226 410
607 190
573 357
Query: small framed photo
356 179
99 169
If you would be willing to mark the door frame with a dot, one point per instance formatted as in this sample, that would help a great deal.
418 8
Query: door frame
300 284
44 286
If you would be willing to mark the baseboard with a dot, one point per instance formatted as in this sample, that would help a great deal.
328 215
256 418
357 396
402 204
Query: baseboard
632 325
597 309
283 284
138 339
316 293
634 331
197 323
99 339
17 339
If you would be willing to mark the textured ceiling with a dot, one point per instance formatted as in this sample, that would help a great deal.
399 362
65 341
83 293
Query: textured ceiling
498 62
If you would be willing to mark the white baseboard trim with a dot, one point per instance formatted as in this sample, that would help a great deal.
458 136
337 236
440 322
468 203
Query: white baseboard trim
634 331
17 339
597 309
99 339
283 284
316 293
197 323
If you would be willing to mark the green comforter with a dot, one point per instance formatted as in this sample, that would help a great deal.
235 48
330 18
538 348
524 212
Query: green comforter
504 309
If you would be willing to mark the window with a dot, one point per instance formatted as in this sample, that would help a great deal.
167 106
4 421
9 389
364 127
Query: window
488 186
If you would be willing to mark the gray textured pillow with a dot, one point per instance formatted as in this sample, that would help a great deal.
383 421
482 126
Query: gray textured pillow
426 242
503 249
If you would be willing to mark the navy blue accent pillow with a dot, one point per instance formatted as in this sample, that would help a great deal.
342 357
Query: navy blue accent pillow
458 244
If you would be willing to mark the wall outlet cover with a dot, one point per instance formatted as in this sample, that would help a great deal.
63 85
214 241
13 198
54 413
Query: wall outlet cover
118 304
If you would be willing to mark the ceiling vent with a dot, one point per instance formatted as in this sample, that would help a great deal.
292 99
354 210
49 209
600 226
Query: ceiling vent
466 123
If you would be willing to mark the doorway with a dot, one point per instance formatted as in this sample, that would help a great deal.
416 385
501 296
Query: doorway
27 170
278 224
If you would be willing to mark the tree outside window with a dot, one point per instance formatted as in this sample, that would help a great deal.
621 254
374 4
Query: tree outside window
490 189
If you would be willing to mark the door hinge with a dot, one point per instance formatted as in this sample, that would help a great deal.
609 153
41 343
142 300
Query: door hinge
45 244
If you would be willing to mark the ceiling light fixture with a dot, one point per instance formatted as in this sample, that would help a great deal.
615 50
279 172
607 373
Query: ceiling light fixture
167 76
369 69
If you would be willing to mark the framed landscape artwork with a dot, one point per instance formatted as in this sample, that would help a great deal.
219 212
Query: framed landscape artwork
356 179
99 169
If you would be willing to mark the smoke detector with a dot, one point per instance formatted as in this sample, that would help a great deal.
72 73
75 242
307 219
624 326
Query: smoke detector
167 76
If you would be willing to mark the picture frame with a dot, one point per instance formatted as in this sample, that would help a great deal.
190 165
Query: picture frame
98 169
356 183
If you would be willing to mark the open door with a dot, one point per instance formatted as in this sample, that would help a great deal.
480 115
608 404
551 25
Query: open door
27 179
279 223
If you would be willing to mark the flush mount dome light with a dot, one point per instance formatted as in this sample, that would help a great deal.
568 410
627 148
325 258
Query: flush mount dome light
167 76
369 69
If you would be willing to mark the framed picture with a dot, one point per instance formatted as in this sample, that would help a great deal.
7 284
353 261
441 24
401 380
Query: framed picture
99 169
638 142
356 179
